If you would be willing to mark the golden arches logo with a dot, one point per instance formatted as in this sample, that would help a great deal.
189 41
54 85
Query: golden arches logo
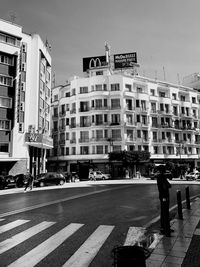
94 63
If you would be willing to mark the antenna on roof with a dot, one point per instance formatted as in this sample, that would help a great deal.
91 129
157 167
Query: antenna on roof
12 17
107 51
164 73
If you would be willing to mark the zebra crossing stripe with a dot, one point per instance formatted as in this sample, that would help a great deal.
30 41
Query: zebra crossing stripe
85 254
41 251
2 220
11 225
134 235
19 238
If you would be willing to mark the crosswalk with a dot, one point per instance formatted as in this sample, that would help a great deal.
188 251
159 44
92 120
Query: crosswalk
82 257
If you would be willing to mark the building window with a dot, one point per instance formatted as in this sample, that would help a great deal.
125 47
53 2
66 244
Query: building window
115 119
137 103
84 136
55 98
116 134
83 90
99 119
152 92
115 87
73 150
6 60
73 91
193 100
99 150
128 87
84 150
4 147
161 94
174 96
73 122
99 135
182 98
67 151
115 103
7 81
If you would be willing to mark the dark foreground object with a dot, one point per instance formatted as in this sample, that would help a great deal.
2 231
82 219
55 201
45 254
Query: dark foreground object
130 256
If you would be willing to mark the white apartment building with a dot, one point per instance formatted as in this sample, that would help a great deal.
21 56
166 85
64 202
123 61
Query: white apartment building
25 99
115 110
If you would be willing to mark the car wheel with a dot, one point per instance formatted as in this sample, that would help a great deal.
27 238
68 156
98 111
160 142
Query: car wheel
41 184
61 182
103 178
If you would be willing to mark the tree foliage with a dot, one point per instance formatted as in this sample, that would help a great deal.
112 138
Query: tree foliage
128 157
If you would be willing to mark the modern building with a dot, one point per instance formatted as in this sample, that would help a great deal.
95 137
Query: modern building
113 108
25 99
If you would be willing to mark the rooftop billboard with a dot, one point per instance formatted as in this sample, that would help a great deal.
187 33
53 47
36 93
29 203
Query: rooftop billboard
93 62
127 60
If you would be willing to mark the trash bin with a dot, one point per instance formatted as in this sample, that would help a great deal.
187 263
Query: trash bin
130 256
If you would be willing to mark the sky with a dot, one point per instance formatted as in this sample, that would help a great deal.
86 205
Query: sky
164 33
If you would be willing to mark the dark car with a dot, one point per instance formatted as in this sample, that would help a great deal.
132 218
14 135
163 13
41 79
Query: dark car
49 178
8 181
21 179
167 174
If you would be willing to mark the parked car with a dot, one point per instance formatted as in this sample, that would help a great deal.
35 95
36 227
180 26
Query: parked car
21 179
49 178
192 176
167 174
98 175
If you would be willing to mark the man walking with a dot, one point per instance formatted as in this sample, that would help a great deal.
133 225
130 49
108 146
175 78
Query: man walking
163 188
29 183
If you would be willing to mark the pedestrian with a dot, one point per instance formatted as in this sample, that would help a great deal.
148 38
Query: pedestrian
163 188
29 183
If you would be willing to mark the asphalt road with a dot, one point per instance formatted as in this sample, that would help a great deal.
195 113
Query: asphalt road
83 223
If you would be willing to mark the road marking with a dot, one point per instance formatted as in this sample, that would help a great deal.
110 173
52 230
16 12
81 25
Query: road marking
34 256
12 225
85 254
134 235
2 220
18 238
57 201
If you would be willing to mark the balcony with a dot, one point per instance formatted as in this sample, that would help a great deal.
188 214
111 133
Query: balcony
84 140
84 109
87 124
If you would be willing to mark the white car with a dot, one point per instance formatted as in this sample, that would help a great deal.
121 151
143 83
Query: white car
192 176
98 175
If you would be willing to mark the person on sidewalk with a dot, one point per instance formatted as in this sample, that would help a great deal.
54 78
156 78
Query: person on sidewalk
29 183
163 188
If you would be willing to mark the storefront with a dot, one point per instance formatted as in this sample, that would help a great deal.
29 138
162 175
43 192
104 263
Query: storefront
37 145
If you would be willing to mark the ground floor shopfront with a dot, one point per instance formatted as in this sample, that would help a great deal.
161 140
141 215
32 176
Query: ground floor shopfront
116 168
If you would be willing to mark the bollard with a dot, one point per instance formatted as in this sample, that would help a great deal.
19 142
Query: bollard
166 218
187 196
179 204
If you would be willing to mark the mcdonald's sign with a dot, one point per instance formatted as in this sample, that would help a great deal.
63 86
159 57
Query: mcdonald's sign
93 62
127 60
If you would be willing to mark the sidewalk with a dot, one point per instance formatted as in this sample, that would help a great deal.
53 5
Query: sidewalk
183 247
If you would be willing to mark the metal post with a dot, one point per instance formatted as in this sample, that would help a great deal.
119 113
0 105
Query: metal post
179 204
166 218
187 196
